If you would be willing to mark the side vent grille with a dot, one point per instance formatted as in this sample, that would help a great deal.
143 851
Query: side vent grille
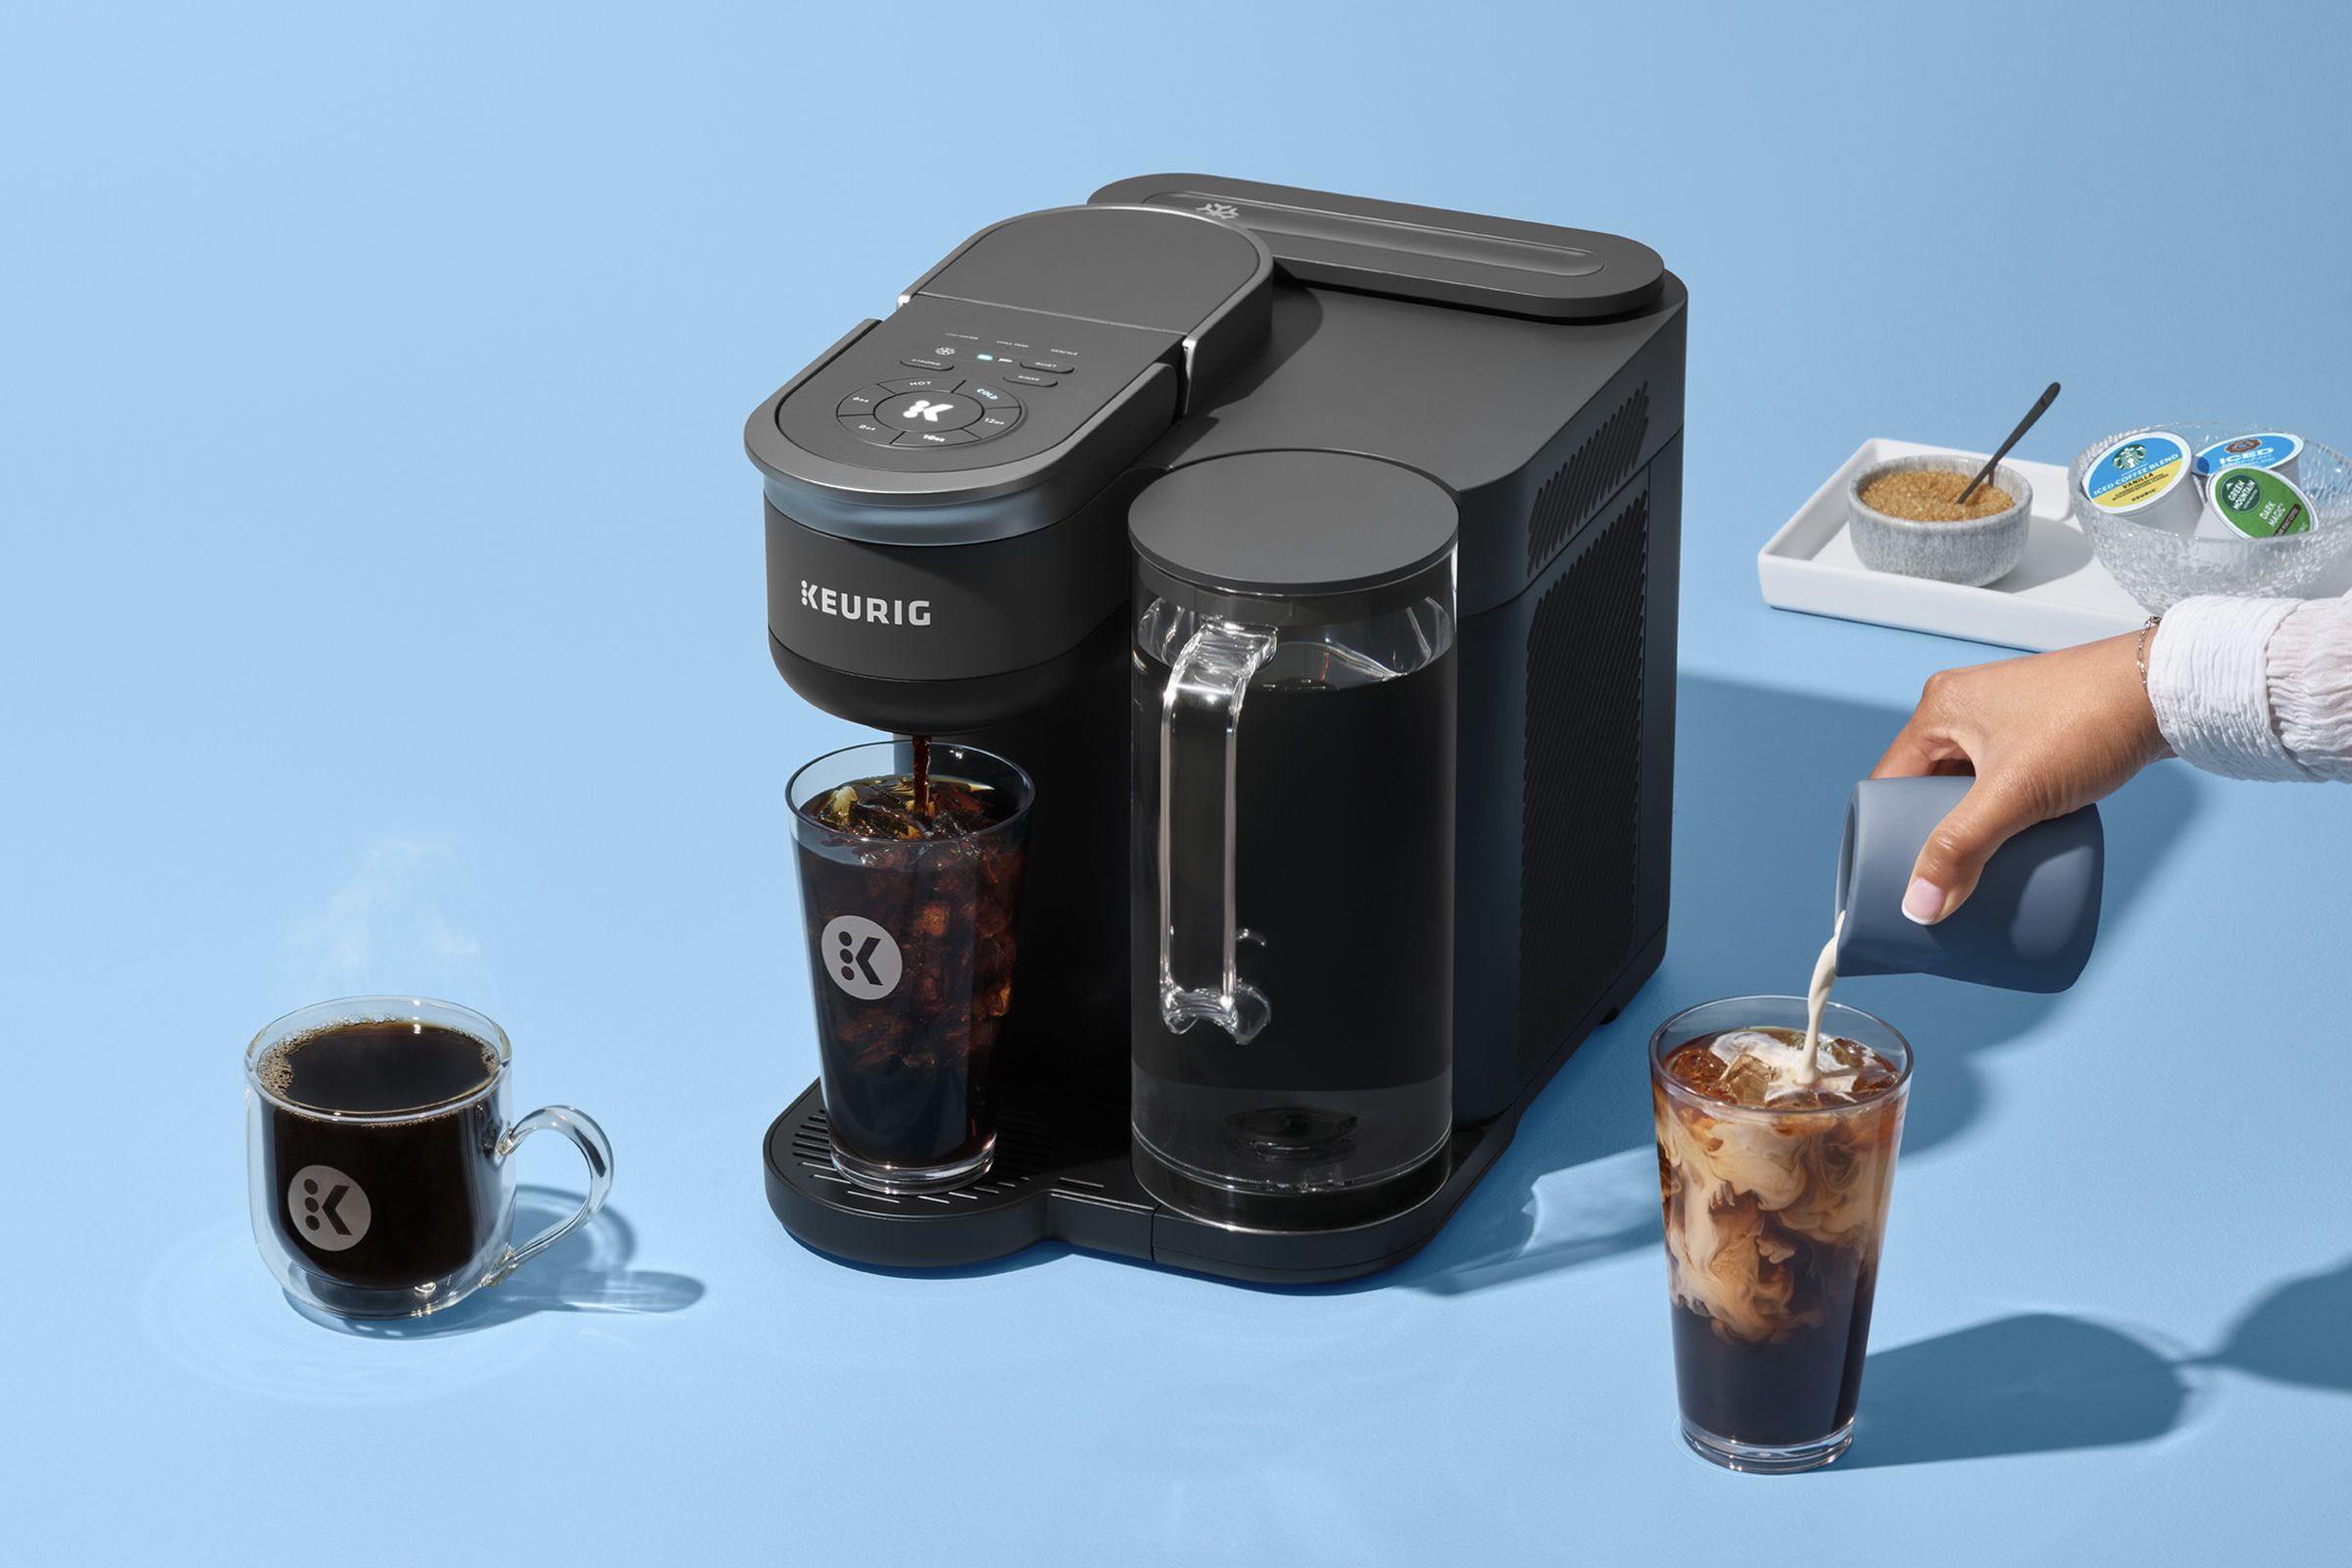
1587 479
1580 796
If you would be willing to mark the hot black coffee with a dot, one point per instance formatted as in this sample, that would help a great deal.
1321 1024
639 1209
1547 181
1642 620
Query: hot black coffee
381 1150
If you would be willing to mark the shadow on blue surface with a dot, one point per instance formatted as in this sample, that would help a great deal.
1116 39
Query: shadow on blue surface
2041 1382
2031 1383
586 1273
2301 1334
1760 789
1027 1257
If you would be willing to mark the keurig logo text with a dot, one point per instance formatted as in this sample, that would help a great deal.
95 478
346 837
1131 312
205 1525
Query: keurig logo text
862 607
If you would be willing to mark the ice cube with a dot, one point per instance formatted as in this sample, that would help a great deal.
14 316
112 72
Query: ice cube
1730 1046
1764 1068
1748 1081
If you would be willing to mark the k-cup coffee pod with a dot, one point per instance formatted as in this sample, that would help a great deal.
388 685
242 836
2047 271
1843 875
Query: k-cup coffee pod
2273 450
2147 477
2254 504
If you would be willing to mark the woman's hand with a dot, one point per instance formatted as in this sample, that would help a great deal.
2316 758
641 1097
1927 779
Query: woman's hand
2043 735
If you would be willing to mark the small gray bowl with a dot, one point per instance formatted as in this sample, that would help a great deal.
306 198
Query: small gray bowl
1971 552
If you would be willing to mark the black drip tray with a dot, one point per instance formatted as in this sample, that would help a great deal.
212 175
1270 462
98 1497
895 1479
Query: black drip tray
1044 1187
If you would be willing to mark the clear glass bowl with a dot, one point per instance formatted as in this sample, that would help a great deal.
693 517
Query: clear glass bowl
2159 567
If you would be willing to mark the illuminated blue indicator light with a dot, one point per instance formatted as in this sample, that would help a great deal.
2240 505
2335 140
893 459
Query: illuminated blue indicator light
985 356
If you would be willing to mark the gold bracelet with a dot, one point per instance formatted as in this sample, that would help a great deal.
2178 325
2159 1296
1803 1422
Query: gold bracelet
2140 650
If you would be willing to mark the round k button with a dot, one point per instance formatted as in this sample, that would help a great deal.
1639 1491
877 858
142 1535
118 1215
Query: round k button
922 412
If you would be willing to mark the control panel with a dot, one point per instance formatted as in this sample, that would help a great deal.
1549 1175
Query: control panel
947 384
1018 378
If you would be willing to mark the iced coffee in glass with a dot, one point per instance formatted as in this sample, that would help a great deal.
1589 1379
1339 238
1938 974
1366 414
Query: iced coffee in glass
1773 1171
911 860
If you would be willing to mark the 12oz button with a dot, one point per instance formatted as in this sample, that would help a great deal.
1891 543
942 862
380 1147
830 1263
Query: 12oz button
996 421
1024 378
935 438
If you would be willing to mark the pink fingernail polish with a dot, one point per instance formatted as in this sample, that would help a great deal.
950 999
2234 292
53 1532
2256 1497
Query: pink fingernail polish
1922 902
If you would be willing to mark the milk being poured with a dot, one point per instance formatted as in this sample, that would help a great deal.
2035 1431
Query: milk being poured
1817 997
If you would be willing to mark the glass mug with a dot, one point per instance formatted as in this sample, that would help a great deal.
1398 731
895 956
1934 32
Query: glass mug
377 1149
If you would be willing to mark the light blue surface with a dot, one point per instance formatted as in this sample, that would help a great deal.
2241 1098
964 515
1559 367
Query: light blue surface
381 608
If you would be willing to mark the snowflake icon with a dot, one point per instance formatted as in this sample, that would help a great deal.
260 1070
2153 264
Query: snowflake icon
1223 212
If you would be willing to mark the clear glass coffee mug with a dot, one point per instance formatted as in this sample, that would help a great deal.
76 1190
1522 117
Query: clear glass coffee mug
377 1149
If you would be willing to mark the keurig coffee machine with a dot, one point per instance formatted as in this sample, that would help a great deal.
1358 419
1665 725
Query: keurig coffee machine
1315 557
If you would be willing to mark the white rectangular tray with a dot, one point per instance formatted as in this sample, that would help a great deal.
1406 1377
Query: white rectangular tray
2057 597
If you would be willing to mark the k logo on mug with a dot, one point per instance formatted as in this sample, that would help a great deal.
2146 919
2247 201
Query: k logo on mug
328 1208
861 957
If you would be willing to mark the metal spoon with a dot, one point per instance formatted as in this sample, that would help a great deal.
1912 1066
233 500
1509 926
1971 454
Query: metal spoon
2041 405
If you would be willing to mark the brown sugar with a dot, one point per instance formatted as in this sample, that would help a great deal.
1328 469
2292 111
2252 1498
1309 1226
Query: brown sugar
1926 495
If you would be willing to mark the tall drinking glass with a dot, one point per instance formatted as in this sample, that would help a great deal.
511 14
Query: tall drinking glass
911 906
1773 1218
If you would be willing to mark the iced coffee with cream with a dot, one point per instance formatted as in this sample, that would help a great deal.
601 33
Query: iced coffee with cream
1776 1156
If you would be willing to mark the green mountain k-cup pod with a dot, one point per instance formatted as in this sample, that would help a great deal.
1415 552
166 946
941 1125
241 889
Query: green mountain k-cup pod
2259 503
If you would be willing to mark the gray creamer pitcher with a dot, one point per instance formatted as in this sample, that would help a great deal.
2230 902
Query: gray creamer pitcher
2029 924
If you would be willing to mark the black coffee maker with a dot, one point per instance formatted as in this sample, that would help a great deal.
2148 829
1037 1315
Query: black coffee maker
1401 448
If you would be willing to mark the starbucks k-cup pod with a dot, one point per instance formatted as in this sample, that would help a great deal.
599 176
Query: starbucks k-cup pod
2147 477
2249 503
2273 450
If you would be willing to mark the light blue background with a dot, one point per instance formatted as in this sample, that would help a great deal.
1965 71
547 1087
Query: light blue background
383 610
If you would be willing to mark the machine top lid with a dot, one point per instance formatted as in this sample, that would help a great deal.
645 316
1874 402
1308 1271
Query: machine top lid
1431 254
1293 524
1128 266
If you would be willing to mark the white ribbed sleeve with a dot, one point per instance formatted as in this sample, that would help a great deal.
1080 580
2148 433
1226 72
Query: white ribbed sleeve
2257 688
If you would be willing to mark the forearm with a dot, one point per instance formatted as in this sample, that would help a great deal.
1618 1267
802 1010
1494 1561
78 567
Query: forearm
2256 688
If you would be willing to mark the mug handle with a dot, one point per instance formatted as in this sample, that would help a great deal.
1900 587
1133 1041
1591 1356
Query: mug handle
594 1147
